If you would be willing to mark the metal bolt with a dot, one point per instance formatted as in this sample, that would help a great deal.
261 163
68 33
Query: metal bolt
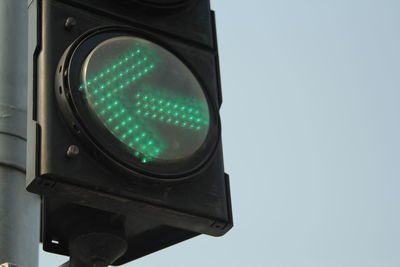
73 151
70 23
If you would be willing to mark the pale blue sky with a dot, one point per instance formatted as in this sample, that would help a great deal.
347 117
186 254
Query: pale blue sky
311 133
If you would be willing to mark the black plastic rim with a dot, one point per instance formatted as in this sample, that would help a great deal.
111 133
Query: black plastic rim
76 112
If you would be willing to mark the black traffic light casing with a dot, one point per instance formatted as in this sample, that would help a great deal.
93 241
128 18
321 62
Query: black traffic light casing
153 212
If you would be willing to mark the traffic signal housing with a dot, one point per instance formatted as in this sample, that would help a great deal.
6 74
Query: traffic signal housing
124 125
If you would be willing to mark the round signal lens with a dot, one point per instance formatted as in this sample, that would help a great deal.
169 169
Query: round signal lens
147 98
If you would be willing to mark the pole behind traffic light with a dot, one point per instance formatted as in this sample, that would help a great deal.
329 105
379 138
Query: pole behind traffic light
19 210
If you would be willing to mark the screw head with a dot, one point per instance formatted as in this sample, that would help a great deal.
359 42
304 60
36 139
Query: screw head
70 23
73 151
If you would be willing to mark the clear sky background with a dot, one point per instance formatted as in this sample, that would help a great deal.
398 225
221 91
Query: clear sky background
311 131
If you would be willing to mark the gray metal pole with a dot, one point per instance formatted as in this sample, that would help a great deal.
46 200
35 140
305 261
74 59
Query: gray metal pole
19 210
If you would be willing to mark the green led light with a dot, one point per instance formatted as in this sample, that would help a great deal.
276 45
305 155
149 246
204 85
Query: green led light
169 106
122 88
103 86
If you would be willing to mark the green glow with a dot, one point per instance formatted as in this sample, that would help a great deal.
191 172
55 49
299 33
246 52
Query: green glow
151 121
167 108
103 90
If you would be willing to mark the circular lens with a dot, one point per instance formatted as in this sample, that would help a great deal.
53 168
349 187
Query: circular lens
146 98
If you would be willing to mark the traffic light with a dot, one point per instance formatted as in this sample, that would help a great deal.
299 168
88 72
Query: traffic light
123 131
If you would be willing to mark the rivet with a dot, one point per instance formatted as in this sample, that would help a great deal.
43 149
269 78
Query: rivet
73 151
70 23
